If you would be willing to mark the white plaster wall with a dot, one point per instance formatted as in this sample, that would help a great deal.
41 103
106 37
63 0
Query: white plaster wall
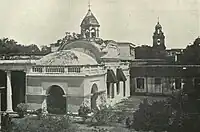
38 86
124 50
96 79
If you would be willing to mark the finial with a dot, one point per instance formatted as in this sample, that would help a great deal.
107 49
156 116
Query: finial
89 5
158 19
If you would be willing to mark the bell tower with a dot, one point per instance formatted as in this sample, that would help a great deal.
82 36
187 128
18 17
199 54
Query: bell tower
159 37
90 25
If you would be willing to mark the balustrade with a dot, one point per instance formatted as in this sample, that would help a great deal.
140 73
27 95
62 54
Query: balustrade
66 69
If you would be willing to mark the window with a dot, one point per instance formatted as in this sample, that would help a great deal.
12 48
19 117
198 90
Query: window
140 83
157 81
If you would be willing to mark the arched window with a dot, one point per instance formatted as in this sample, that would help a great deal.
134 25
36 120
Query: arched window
87 33
93 32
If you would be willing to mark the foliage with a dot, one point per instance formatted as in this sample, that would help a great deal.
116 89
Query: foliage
46 49
104 115
8 46
22 109
68 38
45 124
148 52
84 110
180 113
191 54
152 116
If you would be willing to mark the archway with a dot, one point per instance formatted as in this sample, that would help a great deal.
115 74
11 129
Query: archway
56 102
94 92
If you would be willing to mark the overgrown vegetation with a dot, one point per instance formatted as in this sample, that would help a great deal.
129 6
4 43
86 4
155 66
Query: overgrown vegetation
177 114
22 109
44 124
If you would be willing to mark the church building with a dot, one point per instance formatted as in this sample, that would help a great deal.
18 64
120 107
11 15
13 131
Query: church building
85 70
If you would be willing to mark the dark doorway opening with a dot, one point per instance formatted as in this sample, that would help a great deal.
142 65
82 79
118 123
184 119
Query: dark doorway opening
94 92
56 102
18 82
3 92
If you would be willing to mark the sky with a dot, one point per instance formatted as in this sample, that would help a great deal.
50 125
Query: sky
43 22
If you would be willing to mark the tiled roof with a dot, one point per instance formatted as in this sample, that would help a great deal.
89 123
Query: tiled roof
89 20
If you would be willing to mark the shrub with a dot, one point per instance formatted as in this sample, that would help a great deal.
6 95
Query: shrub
22 109
104 115
153 116
44 124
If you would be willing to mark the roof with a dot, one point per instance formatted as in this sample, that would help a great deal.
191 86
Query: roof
89 19
17 61
165 71
125 43
158 26
67 57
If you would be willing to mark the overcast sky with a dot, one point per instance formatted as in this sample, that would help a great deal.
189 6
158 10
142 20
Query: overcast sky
44 21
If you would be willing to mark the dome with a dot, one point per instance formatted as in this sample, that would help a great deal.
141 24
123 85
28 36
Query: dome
67 57
89 20
158 26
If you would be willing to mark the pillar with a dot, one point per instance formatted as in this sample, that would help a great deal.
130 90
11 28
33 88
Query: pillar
9 92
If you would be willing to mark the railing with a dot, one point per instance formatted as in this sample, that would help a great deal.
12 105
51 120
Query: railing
66 69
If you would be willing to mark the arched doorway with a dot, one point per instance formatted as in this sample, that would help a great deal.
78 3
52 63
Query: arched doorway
94 92
56 102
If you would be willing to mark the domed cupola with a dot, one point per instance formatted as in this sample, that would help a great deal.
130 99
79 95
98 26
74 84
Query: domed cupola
90 26
158 26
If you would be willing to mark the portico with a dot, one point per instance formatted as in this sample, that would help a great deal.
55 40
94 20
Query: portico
13 79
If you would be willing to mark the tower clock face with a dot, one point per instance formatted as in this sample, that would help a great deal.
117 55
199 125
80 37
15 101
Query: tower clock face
158 41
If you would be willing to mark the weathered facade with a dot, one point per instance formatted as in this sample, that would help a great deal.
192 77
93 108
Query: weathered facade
82 71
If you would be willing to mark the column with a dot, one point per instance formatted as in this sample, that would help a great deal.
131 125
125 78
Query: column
9 92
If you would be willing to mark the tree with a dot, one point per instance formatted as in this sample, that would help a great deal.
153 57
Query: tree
191 54
144 52
179 113
9 47
46 49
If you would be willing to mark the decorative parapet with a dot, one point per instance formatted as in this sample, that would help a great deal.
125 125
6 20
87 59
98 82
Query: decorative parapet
83 70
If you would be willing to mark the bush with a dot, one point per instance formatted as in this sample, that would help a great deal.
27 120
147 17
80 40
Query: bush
103 116
22 109
153 116
44 124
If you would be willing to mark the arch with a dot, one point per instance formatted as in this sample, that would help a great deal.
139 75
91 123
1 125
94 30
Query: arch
94 92
56 85
84 45
93 32
56 102
94 88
